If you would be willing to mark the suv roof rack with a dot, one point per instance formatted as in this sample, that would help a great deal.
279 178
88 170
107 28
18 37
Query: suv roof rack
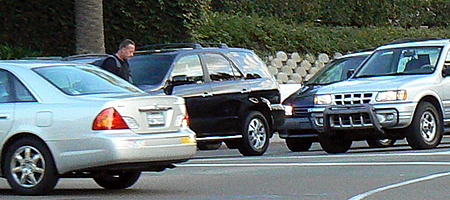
178 46
405 40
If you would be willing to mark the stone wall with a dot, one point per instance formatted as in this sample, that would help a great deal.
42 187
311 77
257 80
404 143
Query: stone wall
295 68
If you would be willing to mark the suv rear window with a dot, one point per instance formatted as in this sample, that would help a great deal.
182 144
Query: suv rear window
150 69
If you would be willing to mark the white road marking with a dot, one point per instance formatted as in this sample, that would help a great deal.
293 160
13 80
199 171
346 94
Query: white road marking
366 194
443 153
308 164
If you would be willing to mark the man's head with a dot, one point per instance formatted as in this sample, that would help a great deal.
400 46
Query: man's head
126 49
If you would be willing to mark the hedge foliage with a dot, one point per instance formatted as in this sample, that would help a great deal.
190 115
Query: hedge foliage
269 34
404 13
149 22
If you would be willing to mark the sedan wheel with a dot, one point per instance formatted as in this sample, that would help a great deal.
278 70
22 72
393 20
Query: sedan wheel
381 143
115 180
29 167
298 144
255 139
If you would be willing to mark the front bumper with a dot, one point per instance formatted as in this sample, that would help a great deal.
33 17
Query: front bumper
366 116
114 147
297 127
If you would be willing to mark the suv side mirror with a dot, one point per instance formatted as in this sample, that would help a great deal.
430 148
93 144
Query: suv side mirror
350 72
446 71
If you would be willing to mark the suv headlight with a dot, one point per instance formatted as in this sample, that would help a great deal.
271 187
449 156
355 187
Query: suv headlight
394 95
323 99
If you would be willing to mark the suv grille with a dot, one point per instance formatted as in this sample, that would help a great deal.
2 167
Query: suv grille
352 98
350 120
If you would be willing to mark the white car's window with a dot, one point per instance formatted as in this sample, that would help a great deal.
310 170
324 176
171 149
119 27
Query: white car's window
416 60
82 80
12 90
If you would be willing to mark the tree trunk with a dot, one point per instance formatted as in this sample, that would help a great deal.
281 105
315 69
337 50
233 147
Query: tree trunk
89 32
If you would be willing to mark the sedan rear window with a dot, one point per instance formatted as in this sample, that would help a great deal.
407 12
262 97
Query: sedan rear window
84 80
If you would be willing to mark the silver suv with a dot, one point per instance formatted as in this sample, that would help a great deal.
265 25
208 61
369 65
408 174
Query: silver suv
401 90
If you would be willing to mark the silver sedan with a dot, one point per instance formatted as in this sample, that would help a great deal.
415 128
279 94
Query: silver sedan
60 119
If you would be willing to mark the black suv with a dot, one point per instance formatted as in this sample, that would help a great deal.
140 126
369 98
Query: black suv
230 94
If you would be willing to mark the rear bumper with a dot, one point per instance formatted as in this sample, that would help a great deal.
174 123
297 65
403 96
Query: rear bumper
122 147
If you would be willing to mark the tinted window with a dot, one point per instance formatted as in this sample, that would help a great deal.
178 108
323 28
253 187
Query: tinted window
12 90
83 80
150 69
188 69
251 65
219 68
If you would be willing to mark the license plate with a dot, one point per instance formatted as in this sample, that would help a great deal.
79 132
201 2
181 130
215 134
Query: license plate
156 118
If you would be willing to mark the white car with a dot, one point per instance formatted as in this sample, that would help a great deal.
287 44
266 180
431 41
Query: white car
61 119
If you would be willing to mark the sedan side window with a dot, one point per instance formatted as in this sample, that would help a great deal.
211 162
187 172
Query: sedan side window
219 68
187 70
12 90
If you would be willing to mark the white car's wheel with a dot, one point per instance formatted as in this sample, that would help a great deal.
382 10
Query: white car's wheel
381 143
29 167
426 129
115 180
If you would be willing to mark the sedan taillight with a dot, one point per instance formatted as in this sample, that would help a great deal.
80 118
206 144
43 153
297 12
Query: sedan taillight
109 119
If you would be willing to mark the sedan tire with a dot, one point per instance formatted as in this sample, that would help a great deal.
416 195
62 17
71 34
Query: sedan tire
29 167
381 143
298 144
334 143
115 180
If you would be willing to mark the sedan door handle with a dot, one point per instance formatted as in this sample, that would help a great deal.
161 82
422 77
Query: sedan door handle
207 94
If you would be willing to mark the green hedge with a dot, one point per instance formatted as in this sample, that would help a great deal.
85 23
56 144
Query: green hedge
48 27
149 22
404 13
269 34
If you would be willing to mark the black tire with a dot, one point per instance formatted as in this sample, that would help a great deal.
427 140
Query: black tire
232 144
298 144
334 143
255 135
426 129
29 167
381 143
116 180
209 145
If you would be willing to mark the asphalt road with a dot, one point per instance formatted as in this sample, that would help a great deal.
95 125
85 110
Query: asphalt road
363 173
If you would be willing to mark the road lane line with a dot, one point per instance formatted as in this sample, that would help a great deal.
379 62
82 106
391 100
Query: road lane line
366 194
307 164
442 153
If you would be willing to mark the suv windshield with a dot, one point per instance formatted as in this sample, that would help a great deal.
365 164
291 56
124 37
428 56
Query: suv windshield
150 69
336 71
415 60
83 80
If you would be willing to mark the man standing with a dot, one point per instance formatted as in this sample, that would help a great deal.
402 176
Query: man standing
118 63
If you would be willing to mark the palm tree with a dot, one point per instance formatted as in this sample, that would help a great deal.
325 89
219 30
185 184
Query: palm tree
89 30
